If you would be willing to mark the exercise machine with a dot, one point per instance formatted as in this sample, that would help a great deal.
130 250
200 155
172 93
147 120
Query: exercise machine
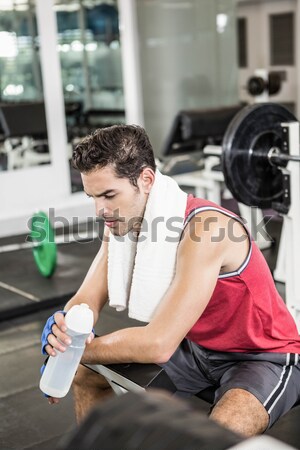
25 134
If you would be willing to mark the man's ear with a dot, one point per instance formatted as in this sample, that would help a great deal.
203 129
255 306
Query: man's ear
146 179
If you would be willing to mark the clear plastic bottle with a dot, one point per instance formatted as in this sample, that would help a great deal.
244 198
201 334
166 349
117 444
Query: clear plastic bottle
60 369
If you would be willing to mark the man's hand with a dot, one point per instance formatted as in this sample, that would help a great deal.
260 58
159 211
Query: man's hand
55 328
54 337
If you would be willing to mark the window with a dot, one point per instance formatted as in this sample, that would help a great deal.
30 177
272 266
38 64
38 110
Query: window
242 42
282 39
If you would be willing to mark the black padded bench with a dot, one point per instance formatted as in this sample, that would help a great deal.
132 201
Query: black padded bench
139 377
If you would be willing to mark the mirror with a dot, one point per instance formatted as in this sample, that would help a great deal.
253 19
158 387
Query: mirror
176 41
88 44
91 66
188 59
23 130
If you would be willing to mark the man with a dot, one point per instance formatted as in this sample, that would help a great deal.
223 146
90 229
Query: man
217 319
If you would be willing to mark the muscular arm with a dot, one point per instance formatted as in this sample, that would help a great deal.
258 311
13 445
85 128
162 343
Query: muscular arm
93 291
199 261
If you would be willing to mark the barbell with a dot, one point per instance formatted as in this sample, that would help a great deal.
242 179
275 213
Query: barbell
254 150
43 242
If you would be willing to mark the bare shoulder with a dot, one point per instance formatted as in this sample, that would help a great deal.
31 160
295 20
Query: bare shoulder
207 227
211 234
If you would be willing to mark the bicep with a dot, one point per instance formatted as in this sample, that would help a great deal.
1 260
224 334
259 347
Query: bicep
198 265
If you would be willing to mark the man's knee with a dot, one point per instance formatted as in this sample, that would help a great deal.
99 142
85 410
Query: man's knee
89 388
241 412
86 379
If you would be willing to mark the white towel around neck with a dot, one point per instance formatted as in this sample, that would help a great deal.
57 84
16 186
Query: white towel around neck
141 270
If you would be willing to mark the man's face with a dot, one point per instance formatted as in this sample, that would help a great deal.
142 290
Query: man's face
120 204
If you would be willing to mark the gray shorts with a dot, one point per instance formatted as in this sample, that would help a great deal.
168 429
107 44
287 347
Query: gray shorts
273 378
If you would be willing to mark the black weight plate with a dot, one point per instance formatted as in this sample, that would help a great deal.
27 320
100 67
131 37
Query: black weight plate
249 176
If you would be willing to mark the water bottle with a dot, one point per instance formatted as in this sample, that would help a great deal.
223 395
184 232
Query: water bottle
60 369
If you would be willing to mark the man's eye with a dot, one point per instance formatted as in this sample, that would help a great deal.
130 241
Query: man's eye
109 196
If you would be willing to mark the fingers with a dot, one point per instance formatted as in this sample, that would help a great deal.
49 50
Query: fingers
90 338
52 400
63 338
58 339
60 321
57 343
49 350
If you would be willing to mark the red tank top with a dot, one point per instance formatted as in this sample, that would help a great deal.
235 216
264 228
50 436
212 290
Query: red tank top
245 312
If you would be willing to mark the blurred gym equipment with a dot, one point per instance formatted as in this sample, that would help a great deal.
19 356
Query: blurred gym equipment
156 421
43 243
25 134
271 84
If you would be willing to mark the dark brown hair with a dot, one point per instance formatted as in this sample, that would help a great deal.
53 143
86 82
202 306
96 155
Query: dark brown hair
125 147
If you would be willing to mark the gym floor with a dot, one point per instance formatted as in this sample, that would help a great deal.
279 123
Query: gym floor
27 420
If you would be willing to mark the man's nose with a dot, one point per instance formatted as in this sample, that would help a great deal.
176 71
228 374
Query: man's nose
101 208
